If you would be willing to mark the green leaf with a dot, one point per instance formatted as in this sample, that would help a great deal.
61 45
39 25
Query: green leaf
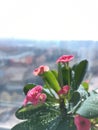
45 119
85 85
51 80
52 96
27 111
79 71
37 125
83 93
47 92
60 75
89 107
66 124
26 125
67 76
30 111
55 73
55 124
75 98
27 87
64 75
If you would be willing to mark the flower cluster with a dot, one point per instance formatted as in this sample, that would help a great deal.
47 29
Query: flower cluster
35 96
62 101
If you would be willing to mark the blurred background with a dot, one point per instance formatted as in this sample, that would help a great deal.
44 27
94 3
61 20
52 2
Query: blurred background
21 57
36 32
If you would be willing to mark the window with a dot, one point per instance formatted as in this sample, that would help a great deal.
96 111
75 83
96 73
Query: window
35 32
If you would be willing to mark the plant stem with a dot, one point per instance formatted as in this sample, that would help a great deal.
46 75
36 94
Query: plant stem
60 76
75 107
50 89
68 73
63 108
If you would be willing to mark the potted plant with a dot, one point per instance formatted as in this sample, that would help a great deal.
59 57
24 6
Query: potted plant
62 103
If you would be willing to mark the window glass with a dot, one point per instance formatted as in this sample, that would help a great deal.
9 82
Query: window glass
17 62
37 32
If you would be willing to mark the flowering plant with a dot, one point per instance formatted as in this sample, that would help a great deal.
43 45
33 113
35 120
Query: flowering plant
63 102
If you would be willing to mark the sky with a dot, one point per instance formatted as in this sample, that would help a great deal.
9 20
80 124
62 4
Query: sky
49 19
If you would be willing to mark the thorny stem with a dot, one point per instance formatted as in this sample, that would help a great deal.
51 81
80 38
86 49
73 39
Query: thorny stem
63 108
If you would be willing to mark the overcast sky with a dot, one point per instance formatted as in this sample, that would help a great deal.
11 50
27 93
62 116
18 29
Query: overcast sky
49 19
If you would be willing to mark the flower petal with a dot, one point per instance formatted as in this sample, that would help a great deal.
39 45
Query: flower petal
40 70
64 58
82 123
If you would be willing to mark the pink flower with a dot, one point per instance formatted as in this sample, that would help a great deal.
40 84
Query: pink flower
40 70
35 96
82 123
64 90
64 58
38 88
42 97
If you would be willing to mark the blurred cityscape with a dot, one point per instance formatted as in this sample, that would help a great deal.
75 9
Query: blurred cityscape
18 58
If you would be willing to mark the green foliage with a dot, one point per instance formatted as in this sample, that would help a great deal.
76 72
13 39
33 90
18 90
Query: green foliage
64 75
26 125
41 117
59 109
66 72
79 71
55 124
75 97
83 93
55 74
89 107
85 85
60 75
51 80
30 111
